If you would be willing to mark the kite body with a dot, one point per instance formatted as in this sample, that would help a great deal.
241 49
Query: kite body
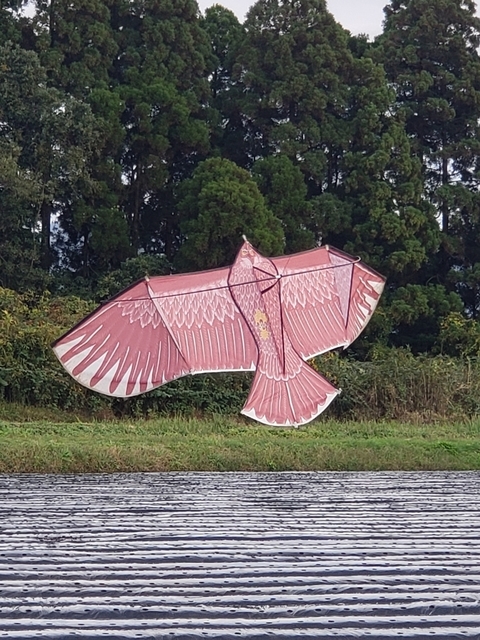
263 315
285 390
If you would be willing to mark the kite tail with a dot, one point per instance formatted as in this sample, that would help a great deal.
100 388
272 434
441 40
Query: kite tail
289 402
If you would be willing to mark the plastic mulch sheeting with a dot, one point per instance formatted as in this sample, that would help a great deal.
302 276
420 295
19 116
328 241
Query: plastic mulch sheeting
232 555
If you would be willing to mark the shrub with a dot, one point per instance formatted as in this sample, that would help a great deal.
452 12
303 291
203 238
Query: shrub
29 371
393 384
396 384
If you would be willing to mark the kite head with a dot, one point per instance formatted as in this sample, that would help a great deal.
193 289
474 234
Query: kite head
248 257
247 252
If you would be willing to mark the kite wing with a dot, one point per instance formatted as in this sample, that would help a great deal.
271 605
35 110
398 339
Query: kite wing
158 330
327 298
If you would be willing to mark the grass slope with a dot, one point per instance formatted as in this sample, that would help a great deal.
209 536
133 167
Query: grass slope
53 443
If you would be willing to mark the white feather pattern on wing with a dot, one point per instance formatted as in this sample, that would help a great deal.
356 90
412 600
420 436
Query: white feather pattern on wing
188 309
205 323
367 287
312 310
142 311
123 348
301 289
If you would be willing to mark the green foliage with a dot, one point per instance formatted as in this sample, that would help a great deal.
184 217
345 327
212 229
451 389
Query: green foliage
392 383
129 129
293 65
141 68
285 192
19 244
53 135
430 53
331 113
459 336
395 384
161 78
222 394
461 247
130 271
76 43
379 213
220 203
230 131
418 312
29 372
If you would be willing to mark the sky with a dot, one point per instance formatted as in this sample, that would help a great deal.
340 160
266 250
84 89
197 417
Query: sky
358 16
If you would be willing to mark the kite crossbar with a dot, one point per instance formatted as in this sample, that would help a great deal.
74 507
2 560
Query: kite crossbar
275 277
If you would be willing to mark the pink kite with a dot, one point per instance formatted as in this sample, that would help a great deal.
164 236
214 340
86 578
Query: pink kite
261 314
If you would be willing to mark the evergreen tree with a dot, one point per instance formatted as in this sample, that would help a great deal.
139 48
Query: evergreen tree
430 52
283 186
417 314
292 66
77 44
220 203
330 112
19 190
141 67
50 133
19 243
382 214
161 77
231 129
10 20
463 244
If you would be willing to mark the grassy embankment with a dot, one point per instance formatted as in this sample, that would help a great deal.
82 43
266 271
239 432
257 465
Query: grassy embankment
41 442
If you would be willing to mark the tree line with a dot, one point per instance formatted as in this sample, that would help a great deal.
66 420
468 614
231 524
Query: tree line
142 136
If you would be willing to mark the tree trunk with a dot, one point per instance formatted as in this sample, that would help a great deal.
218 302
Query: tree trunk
135 229
45 245
444 207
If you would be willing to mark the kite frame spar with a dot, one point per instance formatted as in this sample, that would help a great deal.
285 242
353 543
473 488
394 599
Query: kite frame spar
249 316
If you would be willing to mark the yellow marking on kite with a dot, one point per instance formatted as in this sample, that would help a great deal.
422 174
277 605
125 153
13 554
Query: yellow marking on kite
261 320
260 317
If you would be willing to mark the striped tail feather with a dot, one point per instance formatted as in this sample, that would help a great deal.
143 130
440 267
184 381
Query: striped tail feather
289 402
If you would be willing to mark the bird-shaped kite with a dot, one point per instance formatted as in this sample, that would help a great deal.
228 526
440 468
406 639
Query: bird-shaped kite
266 315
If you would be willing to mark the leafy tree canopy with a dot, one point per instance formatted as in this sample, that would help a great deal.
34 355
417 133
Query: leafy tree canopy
430 53
283 186
220 203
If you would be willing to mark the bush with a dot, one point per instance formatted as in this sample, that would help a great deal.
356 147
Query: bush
29 370
399 385
220 393
394 384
